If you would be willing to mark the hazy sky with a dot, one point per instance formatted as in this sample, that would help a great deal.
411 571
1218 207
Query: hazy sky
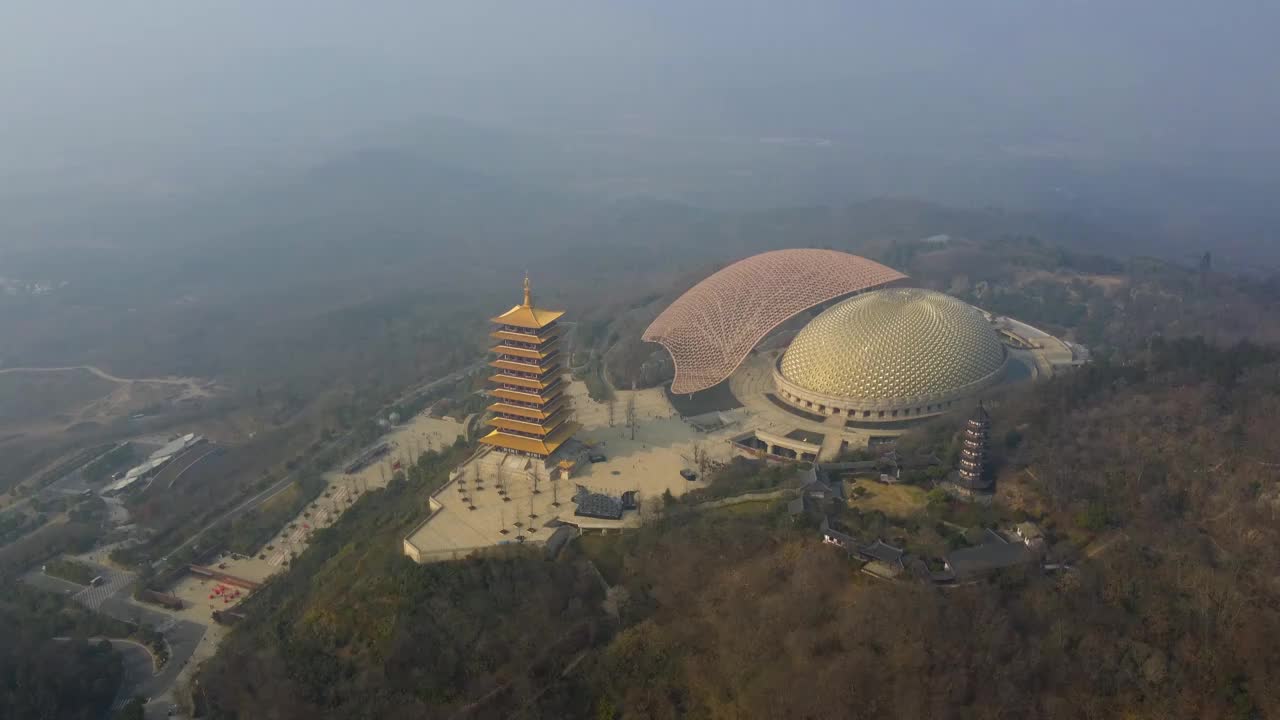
1164 80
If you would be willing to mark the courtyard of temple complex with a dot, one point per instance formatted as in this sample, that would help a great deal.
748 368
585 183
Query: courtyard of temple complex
470 513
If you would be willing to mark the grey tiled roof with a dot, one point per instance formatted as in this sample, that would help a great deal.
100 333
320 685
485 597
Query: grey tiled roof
596 505
882 551
986 558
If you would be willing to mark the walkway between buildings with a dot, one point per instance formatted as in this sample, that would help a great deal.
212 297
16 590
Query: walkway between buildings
831 444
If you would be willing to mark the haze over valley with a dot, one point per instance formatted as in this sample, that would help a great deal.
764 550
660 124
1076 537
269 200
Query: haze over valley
273 445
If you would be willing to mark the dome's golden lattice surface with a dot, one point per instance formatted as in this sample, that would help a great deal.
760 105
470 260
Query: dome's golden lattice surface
894 344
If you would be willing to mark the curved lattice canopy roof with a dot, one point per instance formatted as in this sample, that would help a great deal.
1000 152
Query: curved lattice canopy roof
710 329
894 344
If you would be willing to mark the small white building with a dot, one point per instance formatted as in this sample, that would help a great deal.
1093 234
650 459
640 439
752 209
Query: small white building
1031 535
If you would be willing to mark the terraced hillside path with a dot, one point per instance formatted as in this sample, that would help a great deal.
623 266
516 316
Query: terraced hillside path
191 387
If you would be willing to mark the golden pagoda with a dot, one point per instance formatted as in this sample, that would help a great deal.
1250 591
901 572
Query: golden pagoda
531 415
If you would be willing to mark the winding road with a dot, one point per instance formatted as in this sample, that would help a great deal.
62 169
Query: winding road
99 372
113 600
139 669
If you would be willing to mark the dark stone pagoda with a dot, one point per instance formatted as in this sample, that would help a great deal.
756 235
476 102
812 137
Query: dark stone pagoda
973 474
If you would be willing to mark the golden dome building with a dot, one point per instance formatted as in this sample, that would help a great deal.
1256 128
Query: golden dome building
890 355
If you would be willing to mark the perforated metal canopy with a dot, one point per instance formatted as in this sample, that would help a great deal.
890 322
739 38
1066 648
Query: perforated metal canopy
710 329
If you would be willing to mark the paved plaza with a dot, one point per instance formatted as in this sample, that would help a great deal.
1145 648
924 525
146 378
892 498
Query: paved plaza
496 492
194 591
417 435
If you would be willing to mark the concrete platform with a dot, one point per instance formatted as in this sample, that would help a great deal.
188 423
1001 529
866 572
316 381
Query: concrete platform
649 464
198 607
406 440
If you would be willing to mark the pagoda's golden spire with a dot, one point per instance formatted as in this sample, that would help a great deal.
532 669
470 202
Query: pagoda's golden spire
525 315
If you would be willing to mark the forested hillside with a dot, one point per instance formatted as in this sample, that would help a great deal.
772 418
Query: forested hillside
1158 476
356 630
46 679
1170 465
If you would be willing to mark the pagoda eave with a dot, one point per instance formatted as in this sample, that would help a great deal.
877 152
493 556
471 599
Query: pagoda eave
525 337
541 412
530 383
542 447
543 427
542 399
542 353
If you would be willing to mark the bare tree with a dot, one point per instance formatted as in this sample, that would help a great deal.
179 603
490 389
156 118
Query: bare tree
631 414
700 459
649 509
611 404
